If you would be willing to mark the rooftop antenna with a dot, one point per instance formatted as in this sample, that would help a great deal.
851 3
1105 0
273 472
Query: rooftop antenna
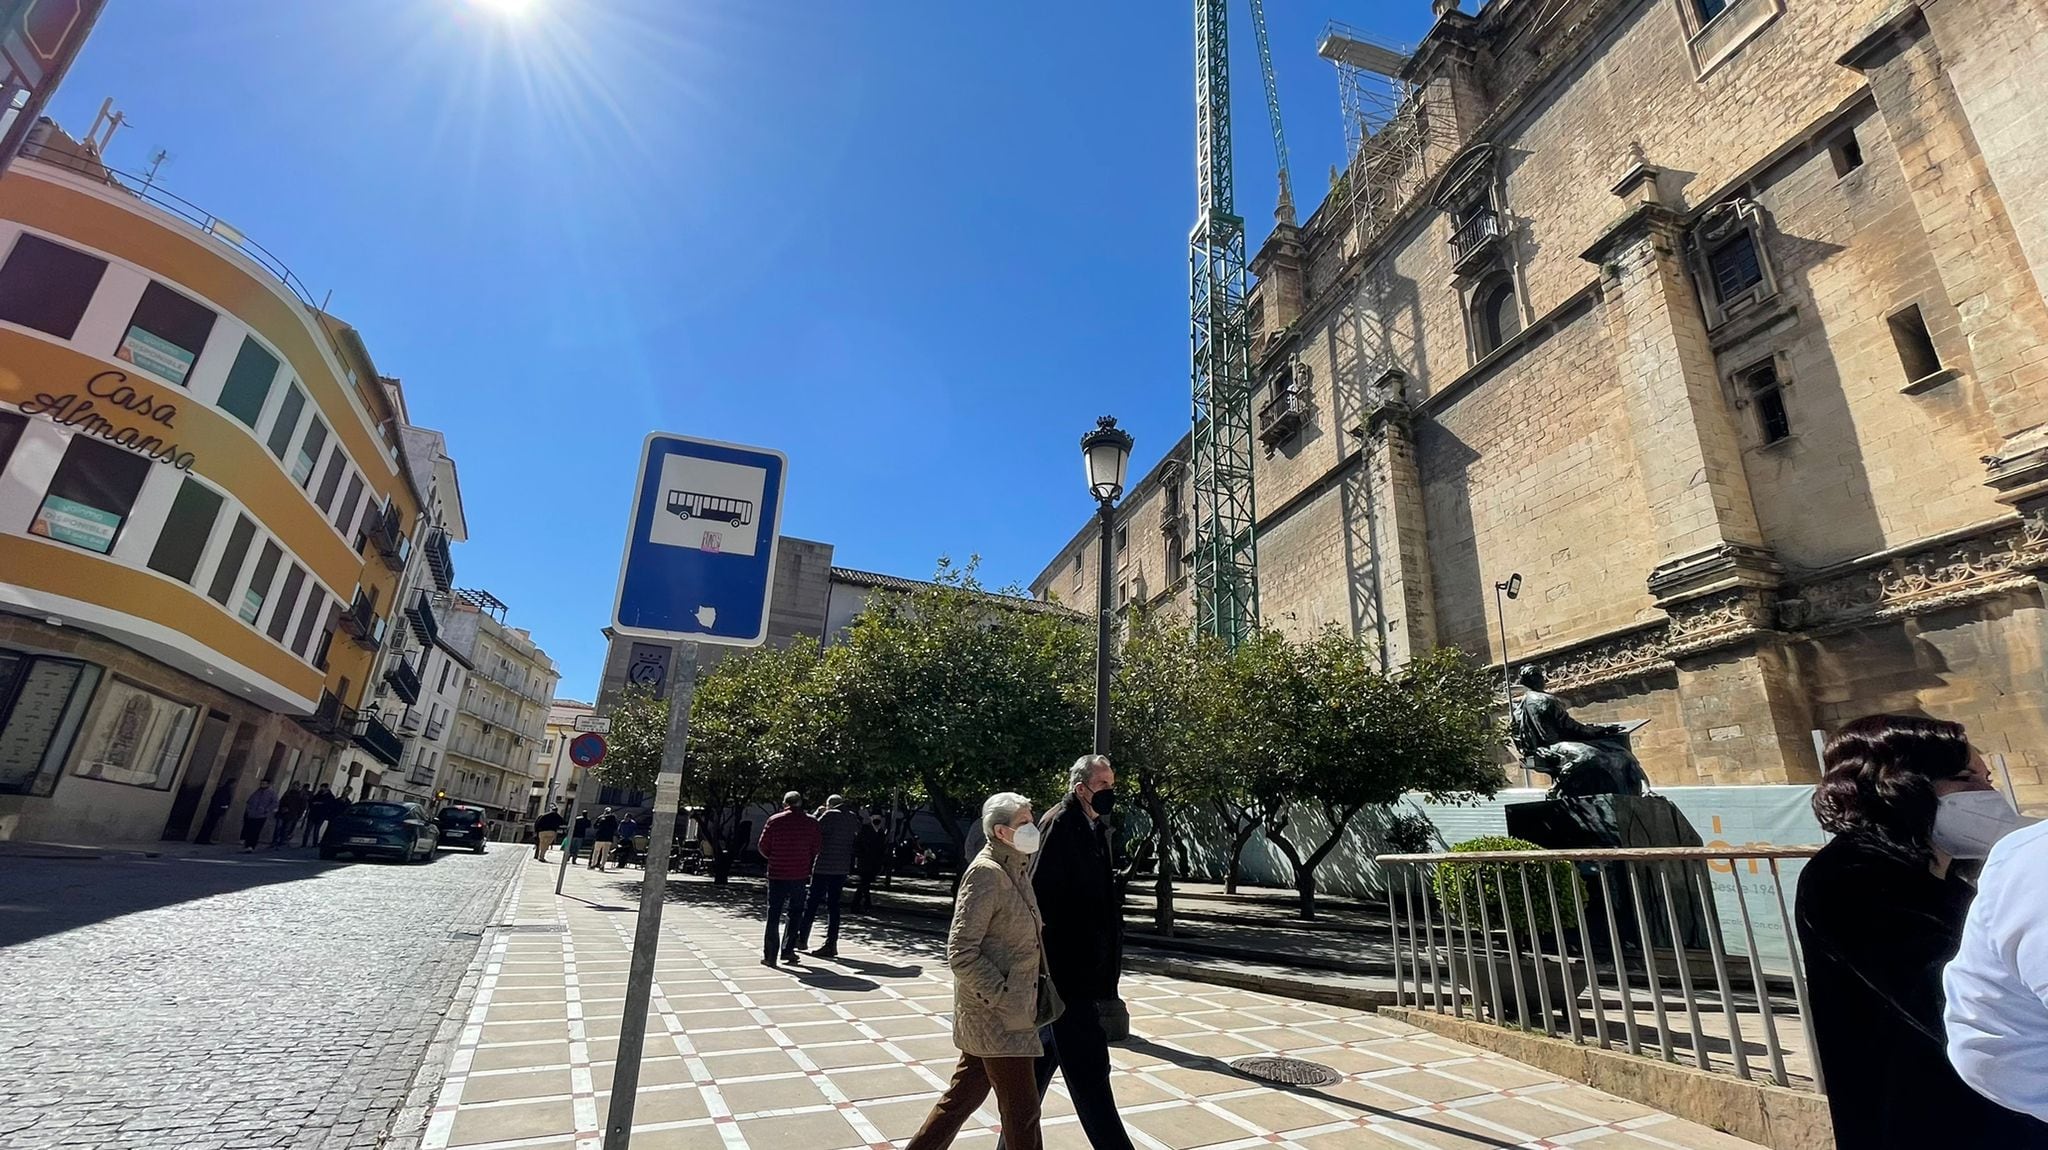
111 120
156 161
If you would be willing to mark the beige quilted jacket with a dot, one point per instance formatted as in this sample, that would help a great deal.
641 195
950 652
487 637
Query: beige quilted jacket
994 950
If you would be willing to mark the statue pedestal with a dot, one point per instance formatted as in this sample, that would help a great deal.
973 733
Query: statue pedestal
1603 822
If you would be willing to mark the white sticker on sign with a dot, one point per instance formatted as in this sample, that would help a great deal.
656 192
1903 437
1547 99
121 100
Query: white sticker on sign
708 506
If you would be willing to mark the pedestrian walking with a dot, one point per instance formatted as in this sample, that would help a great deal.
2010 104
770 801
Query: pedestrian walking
1878 915
1076 885
870 850
320 807
255 813
602 832
1997 987
1001 997
790 843
290 808
579 834
545 830
837 830
223 800
623 848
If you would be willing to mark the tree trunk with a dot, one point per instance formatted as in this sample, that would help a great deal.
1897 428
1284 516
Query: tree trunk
1304 872
1162 853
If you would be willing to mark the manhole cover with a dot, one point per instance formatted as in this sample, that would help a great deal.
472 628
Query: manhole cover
1287 1071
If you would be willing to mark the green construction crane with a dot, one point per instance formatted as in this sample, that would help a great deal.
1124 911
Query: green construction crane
1226 537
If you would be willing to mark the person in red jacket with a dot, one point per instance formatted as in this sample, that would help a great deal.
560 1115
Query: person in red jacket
790 842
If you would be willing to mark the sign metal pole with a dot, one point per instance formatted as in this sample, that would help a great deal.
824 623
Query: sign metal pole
668 797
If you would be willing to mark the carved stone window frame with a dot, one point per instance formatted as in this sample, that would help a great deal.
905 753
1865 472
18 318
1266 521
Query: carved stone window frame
1716 227
1471 198
1742 397
1711 43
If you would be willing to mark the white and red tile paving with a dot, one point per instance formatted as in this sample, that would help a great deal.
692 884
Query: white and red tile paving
851 1054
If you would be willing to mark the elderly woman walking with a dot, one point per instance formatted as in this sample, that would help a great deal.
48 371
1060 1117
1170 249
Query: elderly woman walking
1001 995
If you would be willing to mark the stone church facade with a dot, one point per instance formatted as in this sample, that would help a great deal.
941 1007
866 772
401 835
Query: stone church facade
1722 323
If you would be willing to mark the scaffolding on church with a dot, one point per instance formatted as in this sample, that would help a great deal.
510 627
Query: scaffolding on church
1387 128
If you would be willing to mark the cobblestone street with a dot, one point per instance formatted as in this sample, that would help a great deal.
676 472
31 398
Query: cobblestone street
216 1001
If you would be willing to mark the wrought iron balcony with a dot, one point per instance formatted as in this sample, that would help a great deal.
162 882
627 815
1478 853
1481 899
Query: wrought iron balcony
1280 417
409 721
387 534
362 623
372 734
435 727
425 627
439 561
1477 233
330 720
404 679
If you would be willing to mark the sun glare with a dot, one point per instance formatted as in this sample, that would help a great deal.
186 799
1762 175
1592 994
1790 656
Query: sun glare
508 9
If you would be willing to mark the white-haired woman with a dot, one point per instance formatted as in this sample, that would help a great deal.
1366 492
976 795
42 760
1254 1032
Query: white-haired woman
998 966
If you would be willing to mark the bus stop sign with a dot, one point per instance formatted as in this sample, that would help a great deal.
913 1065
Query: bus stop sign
700 547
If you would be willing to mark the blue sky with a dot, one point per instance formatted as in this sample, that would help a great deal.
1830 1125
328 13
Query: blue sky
917 246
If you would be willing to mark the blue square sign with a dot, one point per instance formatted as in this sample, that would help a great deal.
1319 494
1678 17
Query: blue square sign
700 550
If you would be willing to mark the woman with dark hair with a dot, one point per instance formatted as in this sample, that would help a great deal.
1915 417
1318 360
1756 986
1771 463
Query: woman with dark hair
1878 917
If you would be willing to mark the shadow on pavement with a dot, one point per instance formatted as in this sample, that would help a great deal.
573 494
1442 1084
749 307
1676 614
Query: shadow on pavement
42 896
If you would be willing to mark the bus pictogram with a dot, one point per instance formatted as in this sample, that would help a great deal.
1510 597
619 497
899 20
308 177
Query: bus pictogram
719 508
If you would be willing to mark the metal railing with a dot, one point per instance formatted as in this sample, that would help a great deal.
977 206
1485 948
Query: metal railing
1561 940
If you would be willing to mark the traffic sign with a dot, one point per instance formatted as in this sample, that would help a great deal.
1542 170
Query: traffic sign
700 547
587 749
602 726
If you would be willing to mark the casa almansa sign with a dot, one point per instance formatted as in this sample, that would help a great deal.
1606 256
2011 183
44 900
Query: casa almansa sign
112 409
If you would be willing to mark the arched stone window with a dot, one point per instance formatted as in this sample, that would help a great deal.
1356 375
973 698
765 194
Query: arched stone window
1496 314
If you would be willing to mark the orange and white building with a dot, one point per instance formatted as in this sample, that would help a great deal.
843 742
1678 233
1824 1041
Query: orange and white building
205 518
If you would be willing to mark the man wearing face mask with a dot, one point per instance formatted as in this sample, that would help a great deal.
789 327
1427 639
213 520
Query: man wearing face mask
1084 924
1997 986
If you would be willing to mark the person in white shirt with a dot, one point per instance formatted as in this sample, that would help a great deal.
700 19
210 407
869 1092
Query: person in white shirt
1997 984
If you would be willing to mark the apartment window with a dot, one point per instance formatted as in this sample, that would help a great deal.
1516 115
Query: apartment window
1846 153
281 619
48 286
91 494
249 382
166 333
1916 347
11 426
138 738
42 702
287 421
186 530
346 510
1496 315
446 666
1077 572
1708 9
326 643
224 576
1765 393
258 589
331 482
316 602
309 451
1728 259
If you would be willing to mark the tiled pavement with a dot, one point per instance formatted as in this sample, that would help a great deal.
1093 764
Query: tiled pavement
851 1053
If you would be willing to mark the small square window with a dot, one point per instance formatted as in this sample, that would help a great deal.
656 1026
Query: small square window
1123 547
48 286
1735 267
166 333
1846 153
1916 347
1766 393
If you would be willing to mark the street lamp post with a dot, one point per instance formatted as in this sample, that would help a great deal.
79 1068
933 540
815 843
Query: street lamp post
1107 452
1509 588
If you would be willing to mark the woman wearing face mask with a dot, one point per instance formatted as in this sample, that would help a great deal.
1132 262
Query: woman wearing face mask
1878 917
1001 995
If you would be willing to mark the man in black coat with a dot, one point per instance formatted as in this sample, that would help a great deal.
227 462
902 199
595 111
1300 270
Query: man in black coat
1076 886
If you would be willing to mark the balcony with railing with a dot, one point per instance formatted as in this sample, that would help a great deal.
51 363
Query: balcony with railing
404 678
360 622
1475 234
386 533
409 721
426 627
375 736
1281 416
440 563
330 720
434 728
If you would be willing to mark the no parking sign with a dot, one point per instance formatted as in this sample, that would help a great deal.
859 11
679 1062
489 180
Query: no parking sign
587 749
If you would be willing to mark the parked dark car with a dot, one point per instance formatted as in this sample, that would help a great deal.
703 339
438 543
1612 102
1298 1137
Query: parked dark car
462 827
400 831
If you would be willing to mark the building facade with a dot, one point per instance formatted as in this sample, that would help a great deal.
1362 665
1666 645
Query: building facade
1720 322
499 726
201 504
559 776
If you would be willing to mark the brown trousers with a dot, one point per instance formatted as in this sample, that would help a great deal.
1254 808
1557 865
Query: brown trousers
1016 1086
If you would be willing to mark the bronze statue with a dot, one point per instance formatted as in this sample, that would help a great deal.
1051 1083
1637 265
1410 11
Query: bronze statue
1581 759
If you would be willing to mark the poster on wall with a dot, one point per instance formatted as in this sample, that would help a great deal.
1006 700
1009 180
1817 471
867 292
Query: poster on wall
69 521
155 355
138 737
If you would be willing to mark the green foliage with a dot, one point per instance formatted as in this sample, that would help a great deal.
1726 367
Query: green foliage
1453 879
639 729
1408 833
